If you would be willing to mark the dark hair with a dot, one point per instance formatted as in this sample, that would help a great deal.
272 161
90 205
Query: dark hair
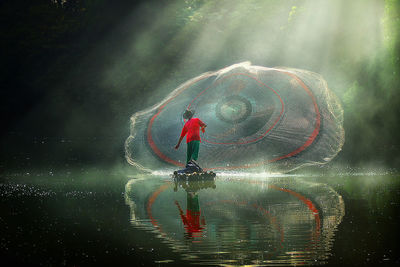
188 114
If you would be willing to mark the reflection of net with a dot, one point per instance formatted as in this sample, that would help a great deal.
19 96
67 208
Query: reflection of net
280 221
256 116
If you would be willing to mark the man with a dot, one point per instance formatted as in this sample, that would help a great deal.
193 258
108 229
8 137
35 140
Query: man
192 130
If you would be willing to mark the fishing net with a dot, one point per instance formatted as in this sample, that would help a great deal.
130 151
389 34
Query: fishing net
257 118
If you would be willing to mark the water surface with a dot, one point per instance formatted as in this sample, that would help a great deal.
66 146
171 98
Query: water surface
101 217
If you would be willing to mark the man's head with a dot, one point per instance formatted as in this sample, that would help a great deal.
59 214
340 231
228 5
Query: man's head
188 114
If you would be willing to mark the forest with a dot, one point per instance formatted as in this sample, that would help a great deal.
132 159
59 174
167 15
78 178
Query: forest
76 70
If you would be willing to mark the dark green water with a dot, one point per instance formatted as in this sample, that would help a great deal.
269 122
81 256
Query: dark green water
104 217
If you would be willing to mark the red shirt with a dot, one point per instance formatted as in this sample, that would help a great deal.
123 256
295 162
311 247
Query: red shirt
192 129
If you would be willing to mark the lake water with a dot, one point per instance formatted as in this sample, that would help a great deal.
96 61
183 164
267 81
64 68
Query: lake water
98 217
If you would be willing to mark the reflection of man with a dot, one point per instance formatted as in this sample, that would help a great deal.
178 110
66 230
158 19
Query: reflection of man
192 222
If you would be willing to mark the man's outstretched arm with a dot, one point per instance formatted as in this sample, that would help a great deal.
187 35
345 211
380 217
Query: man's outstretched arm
184 131
179 142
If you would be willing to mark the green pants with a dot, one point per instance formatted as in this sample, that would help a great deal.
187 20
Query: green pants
192 150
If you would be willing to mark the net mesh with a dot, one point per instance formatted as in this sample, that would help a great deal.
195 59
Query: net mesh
257 118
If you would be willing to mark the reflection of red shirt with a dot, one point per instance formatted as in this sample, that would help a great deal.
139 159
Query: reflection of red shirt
192 222
192 129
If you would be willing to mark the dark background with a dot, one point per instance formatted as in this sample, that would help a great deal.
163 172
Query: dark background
73 72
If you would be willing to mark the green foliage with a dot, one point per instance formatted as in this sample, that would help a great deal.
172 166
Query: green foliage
83 64
391 25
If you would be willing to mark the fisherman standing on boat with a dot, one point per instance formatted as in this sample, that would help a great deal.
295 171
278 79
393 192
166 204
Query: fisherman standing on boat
192 131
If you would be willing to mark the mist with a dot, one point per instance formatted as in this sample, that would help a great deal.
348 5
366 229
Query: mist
85 68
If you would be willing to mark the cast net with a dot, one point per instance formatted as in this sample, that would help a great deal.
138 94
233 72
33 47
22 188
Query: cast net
258 118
